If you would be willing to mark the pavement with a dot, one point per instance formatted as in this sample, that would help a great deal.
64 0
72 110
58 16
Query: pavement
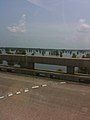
32 98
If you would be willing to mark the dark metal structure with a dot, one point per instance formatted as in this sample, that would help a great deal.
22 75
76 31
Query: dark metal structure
29 61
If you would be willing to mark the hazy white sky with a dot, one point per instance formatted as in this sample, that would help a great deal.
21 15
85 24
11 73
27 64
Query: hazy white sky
45 23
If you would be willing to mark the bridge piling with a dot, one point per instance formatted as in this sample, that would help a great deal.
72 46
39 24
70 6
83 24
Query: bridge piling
70 70
30 65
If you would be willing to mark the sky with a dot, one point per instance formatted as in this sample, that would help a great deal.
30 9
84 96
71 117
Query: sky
63 24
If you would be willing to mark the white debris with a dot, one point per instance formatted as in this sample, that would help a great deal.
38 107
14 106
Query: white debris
44 85
35 87
26 90
1 97
18 92
10 94
62 82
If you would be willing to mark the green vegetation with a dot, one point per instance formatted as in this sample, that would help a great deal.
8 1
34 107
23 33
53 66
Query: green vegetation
83 56
87 55
61 55
7 50
74 55
21 51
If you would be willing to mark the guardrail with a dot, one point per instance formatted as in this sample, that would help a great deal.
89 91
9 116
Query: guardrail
48 74
29 61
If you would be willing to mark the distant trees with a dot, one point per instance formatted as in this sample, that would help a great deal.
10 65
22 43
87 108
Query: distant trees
21 51
8 51
74 55
83 56
56 52
0 59
61 55
87 55
33 53
70 52
43 52
49 53
77 52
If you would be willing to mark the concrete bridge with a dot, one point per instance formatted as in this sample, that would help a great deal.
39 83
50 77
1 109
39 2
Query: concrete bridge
29 61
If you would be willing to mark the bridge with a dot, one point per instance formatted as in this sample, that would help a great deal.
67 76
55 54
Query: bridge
29 61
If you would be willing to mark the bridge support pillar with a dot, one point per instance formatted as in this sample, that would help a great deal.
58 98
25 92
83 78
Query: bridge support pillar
10 63
89 71
70 69
30 66
22 65
1 61
27 65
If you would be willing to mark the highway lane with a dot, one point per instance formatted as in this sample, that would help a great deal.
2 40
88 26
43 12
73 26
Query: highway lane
44 100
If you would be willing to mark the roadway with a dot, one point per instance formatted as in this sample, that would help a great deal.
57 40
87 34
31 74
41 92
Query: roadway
33 98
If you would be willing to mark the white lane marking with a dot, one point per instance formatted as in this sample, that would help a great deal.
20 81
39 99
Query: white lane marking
18 92
35 87
62 82
10 94
26 90
2 97
44 85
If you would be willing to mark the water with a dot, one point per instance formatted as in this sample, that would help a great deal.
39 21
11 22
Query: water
50 67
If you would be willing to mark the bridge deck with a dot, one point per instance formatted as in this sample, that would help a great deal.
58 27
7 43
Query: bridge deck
75 62
56 101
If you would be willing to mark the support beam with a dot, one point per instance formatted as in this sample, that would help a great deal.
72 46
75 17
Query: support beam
22 64
11 63
30 65
70 69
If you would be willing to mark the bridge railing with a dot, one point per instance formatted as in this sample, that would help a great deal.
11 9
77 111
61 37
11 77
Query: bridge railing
29 61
